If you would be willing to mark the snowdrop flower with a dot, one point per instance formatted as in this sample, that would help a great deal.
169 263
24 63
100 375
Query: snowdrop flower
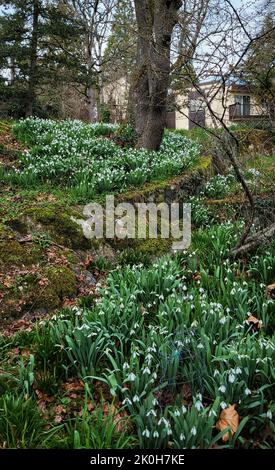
183 409
193 431
231 378
200 346
223 405
222 320
135 399
199 405
238 371
164 421
146 433
182 437
146 371
151 412
222 389
247 391
216 372
127 400
269 414
177 413
125 366
155 434
131 377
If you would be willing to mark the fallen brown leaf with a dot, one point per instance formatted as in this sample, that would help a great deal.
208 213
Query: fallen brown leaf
187 393
271 291
43 282
73 385
255 322
228 418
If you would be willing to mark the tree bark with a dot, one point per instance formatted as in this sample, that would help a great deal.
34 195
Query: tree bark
92 104
254 241
156 20
33 60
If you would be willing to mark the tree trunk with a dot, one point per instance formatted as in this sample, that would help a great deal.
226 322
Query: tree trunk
33 60
92 100
253 242
156 20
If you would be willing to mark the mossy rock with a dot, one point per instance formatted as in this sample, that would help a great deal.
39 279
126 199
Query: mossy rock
154 246
61 227
5 233
11 252
169 190
62 283
62 280
18 225
45 298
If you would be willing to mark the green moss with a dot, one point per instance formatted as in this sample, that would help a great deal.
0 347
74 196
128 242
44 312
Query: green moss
153 246
18 225
45 298
11 252
61 227
3 232
158 188
62 283
62 280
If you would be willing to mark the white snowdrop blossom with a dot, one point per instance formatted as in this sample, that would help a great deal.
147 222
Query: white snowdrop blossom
232 378
146 433
127 401
131 377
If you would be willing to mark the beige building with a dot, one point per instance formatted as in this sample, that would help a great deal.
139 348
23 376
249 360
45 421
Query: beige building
115 97
232 103
210 103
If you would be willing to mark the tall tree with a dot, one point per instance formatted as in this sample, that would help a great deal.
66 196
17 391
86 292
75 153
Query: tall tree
96 17
29 51
258 70
33 57
156 20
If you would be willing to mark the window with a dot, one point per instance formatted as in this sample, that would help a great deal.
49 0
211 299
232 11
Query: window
195 105
242 103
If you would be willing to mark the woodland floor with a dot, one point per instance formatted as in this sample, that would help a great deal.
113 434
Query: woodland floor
49 270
